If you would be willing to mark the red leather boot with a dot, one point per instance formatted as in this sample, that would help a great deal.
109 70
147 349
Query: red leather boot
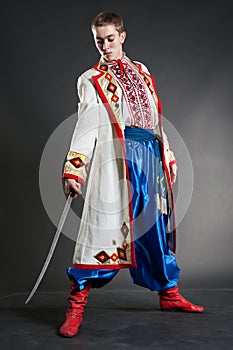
77 301
172 300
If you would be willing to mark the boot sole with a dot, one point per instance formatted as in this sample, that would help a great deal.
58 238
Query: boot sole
181 310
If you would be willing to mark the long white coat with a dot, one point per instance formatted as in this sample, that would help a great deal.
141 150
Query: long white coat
97 156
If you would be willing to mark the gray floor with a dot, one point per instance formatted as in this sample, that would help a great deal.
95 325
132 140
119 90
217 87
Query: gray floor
118 319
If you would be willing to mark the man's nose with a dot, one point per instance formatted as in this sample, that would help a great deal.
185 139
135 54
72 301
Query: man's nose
105 45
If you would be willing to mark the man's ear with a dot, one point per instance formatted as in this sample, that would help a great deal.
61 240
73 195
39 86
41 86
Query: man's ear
123 37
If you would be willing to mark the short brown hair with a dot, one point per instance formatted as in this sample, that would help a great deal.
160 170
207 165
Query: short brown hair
106 18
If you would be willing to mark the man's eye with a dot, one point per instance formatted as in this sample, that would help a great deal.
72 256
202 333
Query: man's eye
99 42
110 40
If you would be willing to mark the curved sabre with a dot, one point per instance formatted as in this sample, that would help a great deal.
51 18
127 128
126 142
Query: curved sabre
53 246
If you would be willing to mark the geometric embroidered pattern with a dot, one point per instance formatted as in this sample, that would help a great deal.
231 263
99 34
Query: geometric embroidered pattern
121 253
102 256
104 67
76 166
135 92
125 245
124 230
77 162
111 87
114 257
115 98
108 76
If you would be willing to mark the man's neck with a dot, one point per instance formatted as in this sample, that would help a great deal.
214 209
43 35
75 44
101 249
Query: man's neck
113 61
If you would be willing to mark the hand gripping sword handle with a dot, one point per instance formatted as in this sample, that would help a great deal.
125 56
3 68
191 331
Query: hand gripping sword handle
53 245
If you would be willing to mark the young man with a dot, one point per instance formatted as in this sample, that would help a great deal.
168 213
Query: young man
119 143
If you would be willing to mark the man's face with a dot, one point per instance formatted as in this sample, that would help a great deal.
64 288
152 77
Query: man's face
109 41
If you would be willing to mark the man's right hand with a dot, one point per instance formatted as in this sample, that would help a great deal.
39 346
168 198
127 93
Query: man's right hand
72 185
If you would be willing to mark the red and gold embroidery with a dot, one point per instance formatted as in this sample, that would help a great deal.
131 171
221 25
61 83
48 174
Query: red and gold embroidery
76 166
102 257
171 156
111 87
120 253
124 230
108 90
115 98
108 76
114 257
77 162
103 67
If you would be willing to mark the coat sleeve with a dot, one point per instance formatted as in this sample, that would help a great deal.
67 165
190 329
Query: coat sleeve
85 133
169 153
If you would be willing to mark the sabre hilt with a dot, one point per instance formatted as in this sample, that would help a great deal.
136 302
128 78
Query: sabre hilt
72 193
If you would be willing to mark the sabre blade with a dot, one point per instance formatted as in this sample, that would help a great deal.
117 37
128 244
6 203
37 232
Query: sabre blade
52 248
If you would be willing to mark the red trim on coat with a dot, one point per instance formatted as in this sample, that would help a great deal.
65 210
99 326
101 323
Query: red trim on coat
172 162
121 137
71 176
98 267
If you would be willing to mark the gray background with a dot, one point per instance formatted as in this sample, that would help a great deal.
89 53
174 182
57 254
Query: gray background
44 47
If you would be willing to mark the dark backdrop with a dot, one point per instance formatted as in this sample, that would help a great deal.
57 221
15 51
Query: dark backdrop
44 47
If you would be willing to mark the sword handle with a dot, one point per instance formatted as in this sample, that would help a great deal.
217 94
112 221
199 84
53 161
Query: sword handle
72 193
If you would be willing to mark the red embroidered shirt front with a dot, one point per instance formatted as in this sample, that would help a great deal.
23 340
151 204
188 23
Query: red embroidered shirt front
135 93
